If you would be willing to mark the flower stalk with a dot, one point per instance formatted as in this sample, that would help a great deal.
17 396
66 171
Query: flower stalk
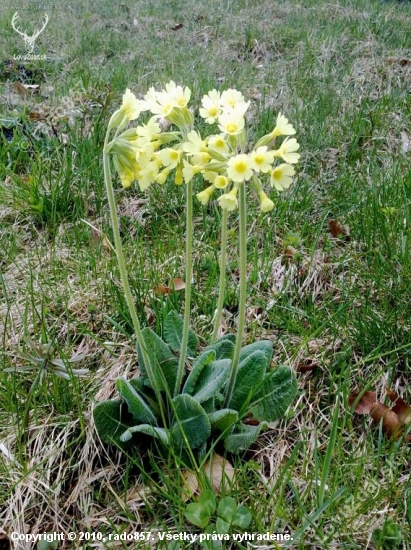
188 277
243 290
222 281
121 262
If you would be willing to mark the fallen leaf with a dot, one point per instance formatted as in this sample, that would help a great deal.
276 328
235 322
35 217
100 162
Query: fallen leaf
392 425
178 284
338 231
307 365
175 285
401 409
365 404
217 469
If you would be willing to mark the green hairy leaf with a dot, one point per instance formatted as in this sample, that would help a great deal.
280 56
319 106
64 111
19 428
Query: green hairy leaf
243 437
193 426
265 346
163 360
211 379
136 404
173 334
224 347
108 420
223 419
276 394
250 374
203 359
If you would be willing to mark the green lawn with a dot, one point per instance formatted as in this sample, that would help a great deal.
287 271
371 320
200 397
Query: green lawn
333 297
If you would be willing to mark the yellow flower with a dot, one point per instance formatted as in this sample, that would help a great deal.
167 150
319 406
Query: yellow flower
231 122
147 132
161 178
266 204
131 106
189 171
205 195
211 107
281 176
169 157
194 144
200 158
180 95
221 182
148 175
233 99
209 176
283 127
178 178
239 168
287 151
261 160
229 200
217 143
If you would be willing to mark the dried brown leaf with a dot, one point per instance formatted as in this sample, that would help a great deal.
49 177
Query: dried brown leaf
391 424
338 231
401 409
217 469
307 365
365 404
175 285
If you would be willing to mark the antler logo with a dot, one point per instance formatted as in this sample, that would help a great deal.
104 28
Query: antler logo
29 40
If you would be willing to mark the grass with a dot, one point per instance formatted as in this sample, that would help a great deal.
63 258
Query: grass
340 72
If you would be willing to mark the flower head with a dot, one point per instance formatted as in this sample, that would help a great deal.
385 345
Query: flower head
189 171
287 151
261 159
131 106
169 157
211 107
231 122
283 127
239 168
266 204
229 200
234 100
205 195
217 143
180 95
281 176
194 144
221 182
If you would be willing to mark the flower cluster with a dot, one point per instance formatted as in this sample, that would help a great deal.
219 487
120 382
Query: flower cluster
148 155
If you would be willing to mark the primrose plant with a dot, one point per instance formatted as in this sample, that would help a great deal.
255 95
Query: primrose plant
229 392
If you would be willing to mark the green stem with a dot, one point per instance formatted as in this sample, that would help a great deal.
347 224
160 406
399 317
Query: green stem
221 285
189 255
243 291
122 265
